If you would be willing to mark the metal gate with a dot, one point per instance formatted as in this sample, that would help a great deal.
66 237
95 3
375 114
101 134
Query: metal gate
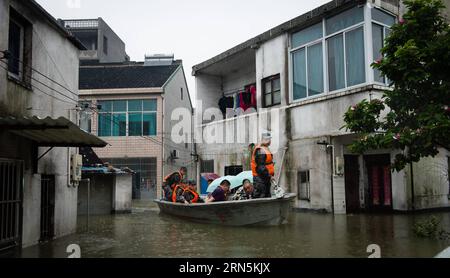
11 184
47 207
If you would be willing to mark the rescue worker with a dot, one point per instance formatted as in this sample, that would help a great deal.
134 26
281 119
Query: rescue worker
171 181
263 168
185 194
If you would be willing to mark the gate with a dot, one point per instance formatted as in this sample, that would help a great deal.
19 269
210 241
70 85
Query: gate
47 207
11 184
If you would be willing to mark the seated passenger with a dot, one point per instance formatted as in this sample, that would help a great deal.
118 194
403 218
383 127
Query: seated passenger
220 194
178 194
245 192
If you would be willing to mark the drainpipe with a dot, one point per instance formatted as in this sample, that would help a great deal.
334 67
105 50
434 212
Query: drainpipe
163 160
332 173
412 186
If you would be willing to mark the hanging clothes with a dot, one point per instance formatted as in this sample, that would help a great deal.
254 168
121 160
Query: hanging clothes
226 103
253 96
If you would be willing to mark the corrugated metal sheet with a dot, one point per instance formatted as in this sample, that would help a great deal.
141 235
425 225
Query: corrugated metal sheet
51 132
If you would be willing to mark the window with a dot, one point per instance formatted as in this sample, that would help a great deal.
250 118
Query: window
233 170
381 23
303 183
182 94
19 47
271 91
207 166
334 49
127 118
105 45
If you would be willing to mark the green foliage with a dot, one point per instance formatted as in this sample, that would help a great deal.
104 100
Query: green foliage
416 59
430 228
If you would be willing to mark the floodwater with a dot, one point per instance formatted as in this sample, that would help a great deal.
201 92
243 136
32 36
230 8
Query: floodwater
147 234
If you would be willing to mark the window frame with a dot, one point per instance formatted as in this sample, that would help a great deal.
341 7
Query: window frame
367 39
127 113
20 76
308 185
266 80
385 26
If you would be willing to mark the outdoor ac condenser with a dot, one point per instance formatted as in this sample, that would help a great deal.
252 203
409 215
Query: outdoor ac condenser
75 169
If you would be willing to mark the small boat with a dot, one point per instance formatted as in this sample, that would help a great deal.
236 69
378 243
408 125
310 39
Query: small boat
266 211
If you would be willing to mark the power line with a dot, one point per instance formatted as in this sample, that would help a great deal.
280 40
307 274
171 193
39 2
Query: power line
43 84
40 90
41 74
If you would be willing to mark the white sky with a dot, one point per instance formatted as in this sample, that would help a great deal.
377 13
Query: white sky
193 30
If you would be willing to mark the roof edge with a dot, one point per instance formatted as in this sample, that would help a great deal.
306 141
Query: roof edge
303 20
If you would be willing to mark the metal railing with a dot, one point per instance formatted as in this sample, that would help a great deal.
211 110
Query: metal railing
11 180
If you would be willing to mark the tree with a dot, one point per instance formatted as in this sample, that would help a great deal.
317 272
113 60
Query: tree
414 116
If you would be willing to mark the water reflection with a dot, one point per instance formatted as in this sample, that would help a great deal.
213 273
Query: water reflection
146 233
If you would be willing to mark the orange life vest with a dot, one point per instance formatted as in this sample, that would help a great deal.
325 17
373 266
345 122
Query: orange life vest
168 176
185 189
269 161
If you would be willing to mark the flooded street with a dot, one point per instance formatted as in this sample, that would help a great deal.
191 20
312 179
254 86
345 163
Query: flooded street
145 234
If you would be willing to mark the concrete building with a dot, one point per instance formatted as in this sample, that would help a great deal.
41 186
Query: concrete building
130 105
307 73
102 43
39 135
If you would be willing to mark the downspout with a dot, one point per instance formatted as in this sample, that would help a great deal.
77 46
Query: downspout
332 174
413 205
162 140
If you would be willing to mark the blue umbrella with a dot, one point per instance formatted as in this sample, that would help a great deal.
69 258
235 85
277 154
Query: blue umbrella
247 175
235 182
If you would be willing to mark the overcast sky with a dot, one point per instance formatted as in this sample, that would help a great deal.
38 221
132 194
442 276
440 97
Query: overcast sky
193 30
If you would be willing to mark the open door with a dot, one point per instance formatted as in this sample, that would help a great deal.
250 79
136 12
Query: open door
380 185
352 183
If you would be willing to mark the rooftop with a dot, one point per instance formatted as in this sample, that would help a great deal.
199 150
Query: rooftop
125 75
292 25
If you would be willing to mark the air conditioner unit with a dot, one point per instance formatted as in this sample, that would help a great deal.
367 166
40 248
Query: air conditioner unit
76 163
175 154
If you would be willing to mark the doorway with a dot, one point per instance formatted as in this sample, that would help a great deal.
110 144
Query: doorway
379 181
47 207
352 183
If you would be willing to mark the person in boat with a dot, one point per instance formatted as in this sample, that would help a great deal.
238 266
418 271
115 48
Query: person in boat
263 167
221 192
186 194
245 192
171 181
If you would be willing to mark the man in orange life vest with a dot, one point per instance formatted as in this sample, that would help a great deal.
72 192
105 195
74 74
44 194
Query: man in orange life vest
263 168
171 181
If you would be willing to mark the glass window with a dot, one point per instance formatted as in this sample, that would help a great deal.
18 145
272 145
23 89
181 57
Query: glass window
135 105
307 35
383 17
135 124
106 106
354 47
315 69
299 73
345 19
120 106
150 105
149 124
336 67
104 124
119 125
15 47
272 91
377 38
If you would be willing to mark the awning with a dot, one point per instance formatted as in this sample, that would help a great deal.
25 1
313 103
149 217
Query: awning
50 132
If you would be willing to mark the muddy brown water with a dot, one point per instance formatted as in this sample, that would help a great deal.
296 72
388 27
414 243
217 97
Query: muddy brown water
147 234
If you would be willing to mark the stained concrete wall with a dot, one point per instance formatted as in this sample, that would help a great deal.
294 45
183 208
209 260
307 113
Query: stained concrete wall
57 58
174 103
116 47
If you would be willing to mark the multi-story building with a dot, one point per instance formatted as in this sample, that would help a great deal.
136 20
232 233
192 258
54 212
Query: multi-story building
39 135
102 43
307 73
133 111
